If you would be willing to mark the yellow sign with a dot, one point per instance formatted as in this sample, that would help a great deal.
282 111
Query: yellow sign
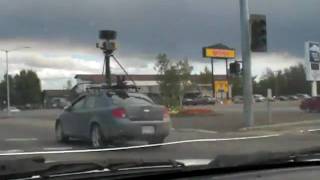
219 53
221 86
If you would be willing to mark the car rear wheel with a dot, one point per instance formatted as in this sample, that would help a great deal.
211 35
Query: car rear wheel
60 136
97 139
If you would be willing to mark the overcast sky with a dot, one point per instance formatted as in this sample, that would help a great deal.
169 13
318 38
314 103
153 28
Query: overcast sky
63 33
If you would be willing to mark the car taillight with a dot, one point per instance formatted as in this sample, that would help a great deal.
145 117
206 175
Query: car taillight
166 116
119 113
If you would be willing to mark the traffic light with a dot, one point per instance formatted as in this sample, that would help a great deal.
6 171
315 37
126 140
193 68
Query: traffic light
258 33
235 68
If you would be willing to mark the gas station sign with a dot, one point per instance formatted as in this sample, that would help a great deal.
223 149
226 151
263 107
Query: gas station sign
221 86
218 53
312 61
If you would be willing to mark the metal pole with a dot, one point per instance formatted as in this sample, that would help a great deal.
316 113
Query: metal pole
314 89
227 78
246 58
108 71
269 108
8 85
212 80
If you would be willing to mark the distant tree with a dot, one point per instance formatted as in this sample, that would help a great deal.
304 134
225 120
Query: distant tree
3 90
205 76
184 72
27 88
174 79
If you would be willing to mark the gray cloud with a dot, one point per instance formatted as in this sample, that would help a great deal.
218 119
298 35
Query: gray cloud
148 27
59 30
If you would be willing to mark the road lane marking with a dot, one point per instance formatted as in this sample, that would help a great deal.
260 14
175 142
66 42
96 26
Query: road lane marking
21 139
56 148
313 130
12 151
141 146
196 130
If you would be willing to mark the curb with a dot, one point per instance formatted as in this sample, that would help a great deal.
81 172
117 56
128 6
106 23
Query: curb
279 125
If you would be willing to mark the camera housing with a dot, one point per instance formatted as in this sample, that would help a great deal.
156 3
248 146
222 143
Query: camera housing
107 41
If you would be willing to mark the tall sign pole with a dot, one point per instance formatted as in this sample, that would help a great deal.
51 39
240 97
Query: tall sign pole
212 80
246 59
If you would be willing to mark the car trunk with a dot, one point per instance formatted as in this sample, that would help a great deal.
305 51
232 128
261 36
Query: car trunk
145 113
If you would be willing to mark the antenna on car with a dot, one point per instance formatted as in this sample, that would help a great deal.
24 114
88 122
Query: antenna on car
107 44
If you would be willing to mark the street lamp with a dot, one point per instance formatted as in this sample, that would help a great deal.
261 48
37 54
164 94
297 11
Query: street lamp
7 73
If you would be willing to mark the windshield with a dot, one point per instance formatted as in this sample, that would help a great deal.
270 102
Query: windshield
159 79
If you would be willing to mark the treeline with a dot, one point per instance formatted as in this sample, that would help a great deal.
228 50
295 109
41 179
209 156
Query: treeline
25 88
288 81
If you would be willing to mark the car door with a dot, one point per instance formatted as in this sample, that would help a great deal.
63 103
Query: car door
86 114
70 116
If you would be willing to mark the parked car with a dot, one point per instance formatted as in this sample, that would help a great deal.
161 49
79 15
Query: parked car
282 98
259 98
237 99
197 99
102 118
12 109
293 98
311 104
303 96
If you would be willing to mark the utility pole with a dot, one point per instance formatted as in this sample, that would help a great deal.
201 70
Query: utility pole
246 59
7 74
8 84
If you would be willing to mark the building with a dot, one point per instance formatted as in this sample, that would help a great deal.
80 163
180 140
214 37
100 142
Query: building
147 83
56 98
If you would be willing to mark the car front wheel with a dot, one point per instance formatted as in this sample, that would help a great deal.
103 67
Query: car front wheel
97 139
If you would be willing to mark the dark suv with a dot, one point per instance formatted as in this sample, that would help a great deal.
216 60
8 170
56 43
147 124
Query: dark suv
105 117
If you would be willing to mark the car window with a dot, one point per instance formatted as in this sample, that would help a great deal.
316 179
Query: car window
90 102
101 101
78 105
131 100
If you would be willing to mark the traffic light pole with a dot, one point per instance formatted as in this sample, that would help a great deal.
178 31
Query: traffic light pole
246 59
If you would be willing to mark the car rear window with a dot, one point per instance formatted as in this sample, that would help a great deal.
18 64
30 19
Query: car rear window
131 100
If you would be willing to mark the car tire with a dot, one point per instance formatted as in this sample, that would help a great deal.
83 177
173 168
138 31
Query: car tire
96 137
60 135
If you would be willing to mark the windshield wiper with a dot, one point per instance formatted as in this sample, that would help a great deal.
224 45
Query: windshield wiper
36 166
266 158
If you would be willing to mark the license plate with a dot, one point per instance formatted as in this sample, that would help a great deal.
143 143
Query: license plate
147 130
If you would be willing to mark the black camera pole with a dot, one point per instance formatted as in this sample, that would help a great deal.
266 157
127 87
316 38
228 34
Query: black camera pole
108 69
108 45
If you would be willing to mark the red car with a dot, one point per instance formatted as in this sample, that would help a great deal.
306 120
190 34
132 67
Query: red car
311 104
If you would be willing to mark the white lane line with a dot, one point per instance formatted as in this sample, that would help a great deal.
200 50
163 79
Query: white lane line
12 151
196 130
312 130
21 139
56 148
140 146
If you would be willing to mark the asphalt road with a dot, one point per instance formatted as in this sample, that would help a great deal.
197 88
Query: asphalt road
31 133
